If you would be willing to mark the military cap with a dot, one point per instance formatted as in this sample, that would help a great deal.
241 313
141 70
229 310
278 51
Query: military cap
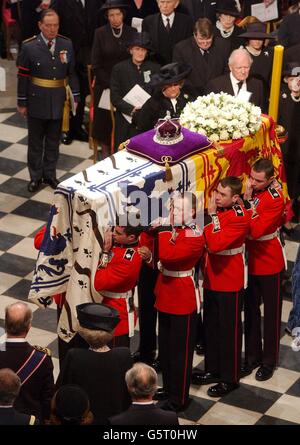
97 316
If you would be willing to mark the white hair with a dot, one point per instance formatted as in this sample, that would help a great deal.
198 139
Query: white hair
238 53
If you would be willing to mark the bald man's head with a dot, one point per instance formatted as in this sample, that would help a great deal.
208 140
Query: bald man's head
18 318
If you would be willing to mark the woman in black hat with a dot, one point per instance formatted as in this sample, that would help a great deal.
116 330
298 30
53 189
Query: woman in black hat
227 13
109 48
170 96
289 117
262 55
125 75
99 370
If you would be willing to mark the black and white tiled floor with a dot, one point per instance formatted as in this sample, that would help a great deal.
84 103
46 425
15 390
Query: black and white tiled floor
22 214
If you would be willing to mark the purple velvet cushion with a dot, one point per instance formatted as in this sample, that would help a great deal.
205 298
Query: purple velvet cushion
144 145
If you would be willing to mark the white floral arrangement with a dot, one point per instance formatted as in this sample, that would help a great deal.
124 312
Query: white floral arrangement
221 117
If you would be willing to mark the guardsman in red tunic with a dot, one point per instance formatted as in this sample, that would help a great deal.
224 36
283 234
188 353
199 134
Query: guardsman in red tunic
116 278
265 264
180 247
224 280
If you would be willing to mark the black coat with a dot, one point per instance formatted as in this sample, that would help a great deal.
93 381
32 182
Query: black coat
201 8
163 41
37 391
36 60
147 8
203 70
102 376
157 107
30 16
145 415
125 76
9 416
223 83
261 69
289 30
107 51
292 54
234 40
289 117
79 25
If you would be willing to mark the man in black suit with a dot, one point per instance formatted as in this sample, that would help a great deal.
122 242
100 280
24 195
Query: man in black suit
10 385
238 81
207 55
32 364
167 28
78 21
141 381
201 8
292 54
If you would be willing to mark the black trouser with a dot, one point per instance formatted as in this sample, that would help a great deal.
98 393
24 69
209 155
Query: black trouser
77 120
223 334
147 313
43 147
266 289
176 338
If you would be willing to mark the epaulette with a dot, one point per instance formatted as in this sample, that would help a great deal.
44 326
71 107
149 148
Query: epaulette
31 39
46 351
238 210
129 254
63 37
273 192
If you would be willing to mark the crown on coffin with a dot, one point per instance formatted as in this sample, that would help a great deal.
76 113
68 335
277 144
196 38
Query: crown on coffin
168 131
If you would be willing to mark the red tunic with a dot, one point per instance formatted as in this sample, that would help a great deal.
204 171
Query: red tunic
176 295
266 257
38 239
120 275
225 273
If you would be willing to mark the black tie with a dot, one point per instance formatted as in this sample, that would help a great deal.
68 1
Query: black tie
205 55
239 84
168 26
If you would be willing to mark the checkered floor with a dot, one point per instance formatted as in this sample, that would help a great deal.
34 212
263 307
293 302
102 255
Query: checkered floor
22 214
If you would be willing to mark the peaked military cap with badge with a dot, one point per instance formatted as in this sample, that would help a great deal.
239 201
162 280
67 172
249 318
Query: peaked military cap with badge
97 316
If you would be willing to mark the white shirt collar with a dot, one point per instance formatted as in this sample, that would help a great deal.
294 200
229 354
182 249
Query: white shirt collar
47 40
16 340
143 403
235 82
171 17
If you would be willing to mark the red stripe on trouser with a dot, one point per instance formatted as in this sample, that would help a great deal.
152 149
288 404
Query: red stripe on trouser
186 359
236 337
278 319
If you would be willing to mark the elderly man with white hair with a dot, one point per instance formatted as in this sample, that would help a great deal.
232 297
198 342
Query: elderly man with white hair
238 82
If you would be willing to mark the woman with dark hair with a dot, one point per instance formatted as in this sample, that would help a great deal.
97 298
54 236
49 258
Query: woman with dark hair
227 13
109 48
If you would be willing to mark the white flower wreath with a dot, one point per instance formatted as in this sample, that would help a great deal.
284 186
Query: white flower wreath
221 117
